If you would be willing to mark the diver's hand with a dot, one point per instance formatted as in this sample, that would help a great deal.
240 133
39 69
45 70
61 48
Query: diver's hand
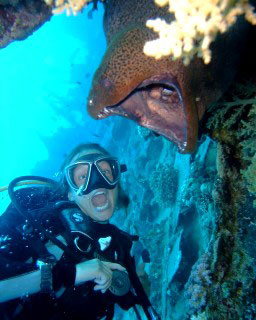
98 271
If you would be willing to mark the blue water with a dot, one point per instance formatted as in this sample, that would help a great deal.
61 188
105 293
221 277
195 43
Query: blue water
44 83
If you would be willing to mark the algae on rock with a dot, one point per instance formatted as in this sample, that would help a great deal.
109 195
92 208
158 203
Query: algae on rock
234 122
163 182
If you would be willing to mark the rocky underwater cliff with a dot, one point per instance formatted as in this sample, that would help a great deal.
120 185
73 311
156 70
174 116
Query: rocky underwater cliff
195 213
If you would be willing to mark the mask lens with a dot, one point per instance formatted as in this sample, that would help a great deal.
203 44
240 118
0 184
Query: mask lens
79 174
109 168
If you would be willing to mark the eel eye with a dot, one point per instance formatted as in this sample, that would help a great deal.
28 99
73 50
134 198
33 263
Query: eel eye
160 92
167 91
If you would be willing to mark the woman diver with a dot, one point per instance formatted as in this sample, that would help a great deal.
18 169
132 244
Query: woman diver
60 258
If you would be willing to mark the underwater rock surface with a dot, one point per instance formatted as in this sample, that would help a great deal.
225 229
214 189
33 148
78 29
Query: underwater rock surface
176 233
203 262
19 18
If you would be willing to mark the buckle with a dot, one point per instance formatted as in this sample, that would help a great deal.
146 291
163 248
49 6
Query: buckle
45 264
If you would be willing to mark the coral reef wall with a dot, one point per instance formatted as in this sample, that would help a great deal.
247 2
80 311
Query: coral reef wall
171 209
195 214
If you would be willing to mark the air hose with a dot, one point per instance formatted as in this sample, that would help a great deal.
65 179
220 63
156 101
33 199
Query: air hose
23 183
26 214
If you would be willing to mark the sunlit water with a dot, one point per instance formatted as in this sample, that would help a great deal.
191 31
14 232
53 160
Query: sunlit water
44 83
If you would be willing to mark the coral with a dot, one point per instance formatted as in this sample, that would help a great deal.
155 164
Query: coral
163 182
197 189
156 271
203 203
70 6
250 175
197 287
200 316
228 113
233 122
197 24
249 151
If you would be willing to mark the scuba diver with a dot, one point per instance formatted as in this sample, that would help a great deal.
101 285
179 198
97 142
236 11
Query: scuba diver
60 258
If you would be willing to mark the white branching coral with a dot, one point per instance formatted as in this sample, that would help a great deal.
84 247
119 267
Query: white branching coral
196 25
70 6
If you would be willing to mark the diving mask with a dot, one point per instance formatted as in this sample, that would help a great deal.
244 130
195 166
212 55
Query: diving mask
93 171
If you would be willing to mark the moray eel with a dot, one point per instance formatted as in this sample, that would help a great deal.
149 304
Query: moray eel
162 95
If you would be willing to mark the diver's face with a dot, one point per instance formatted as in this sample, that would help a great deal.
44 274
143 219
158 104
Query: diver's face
100 203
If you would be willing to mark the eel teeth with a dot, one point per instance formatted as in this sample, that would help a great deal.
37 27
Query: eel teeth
104 113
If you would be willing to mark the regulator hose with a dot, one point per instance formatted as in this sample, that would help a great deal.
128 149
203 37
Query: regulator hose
26 214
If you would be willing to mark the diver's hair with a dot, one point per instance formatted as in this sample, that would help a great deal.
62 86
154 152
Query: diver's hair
63 187
80 148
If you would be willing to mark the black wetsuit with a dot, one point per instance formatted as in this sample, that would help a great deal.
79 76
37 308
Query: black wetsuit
21 244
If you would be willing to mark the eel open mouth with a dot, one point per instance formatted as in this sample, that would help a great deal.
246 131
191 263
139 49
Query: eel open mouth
157 104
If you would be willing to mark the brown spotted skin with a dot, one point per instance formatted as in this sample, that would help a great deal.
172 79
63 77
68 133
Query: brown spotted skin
124 62
120 14
124 66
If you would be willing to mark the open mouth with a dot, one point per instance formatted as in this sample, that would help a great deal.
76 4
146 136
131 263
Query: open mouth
100 200
157 104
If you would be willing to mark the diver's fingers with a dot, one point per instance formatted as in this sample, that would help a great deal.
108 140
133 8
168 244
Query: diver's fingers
102 280
104 277
92 270
114 266
100 288
103 287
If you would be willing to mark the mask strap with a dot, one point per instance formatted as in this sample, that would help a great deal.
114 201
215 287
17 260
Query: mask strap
123 168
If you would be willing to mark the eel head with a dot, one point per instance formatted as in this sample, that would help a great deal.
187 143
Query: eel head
158 104
161 95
